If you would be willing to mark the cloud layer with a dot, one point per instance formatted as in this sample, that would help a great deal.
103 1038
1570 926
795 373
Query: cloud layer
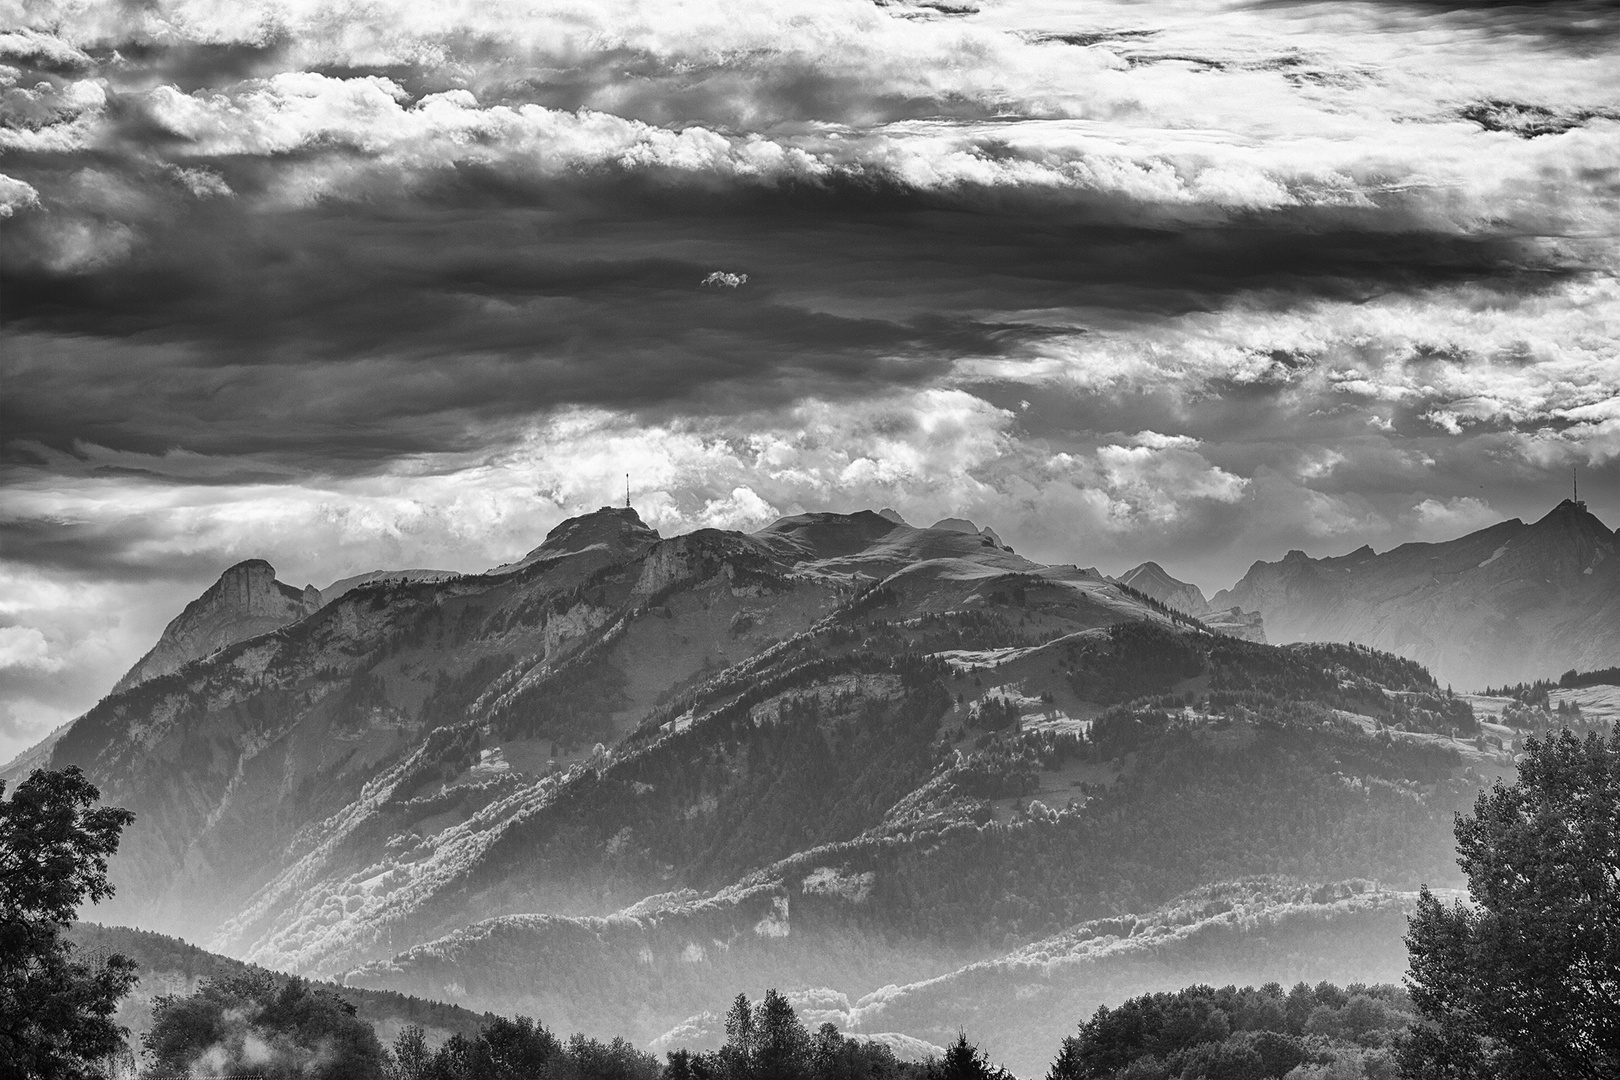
359 286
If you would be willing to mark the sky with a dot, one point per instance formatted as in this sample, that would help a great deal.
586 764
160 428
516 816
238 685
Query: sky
373 285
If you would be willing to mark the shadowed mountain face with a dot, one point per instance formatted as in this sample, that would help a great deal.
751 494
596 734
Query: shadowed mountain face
1512 602
615 782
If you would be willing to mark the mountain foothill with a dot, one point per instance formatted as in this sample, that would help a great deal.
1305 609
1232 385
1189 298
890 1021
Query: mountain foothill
912 777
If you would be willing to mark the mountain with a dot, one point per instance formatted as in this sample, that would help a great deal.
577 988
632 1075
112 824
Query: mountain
963 525
1152 580
1512 602
245 602
283 752
626 776
387 577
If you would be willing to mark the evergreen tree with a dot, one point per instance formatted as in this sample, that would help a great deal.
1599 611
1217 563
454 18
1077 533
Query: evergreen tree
1525 982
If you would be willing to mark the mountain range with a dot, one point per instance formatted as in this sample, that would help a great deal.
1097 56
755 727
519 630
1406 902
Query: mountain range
620 779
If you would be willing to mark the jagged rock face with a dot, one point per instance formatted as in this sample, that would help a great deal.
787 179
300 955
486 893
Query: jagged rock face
245 602
1509 603
1151 578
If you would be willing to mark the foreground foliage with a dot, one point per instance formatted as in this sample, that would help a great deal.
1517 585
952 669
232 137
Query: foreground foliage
1526 981
55 1010
763 1042
1325 1033
260 1025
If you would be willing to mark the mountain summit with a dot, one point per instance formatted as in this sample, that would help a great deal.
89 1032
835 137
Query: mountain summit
245 602
1508 603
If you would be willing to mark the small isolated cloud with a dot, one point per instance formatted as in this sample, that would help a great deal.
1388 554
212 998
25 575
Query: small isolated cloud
1155 441
202 183
720 279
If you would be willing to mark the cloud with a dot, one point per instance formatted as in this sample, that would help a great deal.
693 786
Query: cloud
25 647
1443 520
360 286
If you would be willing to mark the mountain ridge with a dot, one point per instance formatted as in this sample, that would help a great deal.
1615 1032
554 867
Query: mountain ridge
840 746
1509 602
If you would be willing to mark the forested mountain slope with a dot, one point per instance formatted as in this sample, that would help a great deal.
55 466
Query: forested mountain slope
371 727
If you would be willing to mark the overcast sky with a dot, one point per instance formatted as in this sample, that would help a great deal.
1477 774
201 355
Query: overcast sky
352 286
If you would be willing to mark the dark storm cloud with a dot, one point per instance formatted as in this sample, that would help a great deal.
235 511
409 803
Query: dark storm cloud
124 553
231 331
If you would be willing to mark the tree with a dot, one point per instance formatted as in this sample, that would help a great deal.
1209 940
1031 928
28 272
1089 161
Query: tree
55 1011
964 1061
1525 981
275 1026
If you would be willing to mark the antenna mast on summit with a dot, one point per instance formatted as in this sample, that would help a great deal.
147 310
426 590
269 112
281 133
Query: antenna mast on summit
627 491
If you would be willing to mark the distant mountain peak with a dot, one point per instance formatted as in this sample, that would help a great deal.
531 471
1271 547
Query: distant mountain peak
1504 603
616 530
1570 513
891 514
245 602
1153 580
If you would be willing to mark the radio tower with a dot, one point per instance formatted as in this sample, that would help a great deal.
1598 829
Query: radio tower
1575 489
627 491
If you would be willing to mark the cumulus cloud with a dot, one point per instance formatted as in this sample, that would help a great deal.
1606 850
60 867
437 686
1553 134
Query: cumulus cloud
25 647
1442 520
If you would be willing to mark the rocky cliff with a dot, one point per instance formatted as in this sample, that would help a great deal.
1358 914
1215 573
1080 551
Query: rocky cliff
245 602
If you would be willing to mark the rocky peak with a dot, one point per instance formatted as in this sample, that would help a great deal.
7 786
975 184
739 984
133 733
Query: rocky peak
1571 517
245 602
1153 580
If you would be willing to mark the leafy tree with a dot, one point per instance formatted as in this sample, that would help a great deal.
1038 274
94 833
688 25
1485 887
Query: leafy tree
767 1042
1202 1033
1525 982
55 1011
261 1024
